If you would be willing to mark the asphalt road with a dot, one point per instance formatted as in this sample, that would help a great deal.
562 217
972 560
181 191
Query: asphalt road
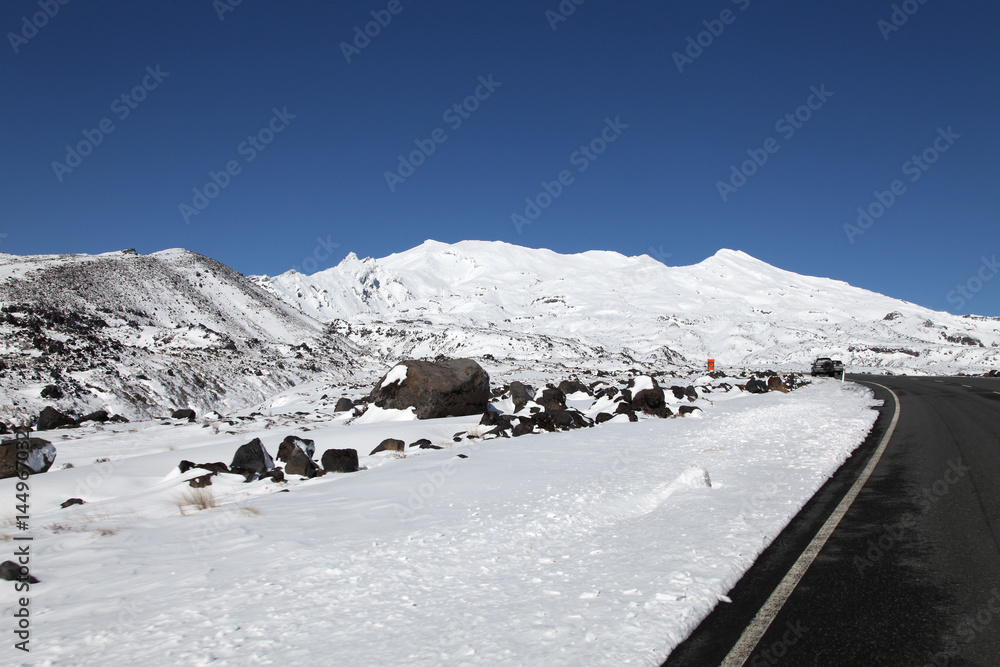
911 575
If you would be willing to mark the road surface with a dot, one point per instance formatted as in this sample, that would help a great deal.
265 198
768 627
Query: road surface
911 573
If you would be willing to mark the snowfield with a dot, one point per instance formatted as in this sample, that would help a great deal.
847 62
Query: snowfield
599 546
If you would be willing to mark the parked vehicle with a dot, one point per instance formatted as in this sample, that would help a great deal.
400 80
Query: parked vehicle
827 366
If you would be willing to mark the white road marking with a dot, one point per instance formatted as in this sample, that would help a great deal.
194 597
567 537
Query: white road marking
967 385
753 633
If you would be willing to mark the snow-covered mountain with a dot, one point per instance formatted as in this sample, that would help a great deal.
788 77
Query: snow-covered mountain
140 334
476 297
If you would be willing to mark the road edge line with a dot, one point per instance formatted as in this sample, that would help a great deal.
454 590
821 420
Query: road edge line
754 632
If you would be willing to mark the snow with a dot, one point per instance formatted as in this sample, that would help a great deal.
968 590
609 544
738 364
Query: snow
397 374
477 297
601 546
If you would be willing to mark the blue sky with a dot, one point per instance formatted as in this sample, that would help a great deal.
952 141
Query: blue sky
622 123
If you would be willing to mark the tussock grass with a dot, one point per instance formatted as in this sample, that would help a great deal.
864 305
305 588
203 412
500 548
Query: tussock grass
200 499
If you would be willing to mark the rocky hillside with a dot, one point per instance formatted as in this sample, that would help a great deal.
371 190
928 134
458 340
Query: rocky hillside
142 334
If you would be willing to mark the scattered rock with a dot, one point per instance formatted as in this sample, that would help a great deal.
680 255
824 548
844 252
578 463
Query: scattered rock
118 419
691 393
52 391
573 387
300 463
11 571
275 475
679 392
96 416
421 443
552 399
184 413
293 442
40 456
649 400
520 394
449 387
344 405
524 427
252 456
202 481
71 502
774 383
685 410
603 417
755 386
50 418
389 445
340 460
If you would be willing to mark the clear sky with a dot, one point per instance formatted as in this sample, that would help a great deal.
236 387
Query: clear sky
622 122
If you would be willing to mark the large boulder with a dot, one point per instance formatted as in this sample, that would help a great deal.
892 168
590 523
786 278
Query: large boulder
51 418
573 387
344 405
184 413
449 387
340 460
755 386
252 456
39 456
52 391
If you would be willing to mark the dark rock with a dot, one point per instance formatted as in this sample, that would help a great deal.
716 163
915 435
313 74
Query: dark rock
573 387
626 395
97 416
344 405
603 417
624 408
755 386
300 463
4 429
685 410
291 443
217 467
51 418
202 481
568 419
499 421
552 399
184 413
340 460
52 391
248 474
40 457
648 400
449 387
390 445
774 383
71 502
678 392
422 443
118 419
691 393
184 466
662 412
252 456
462 456
275 475
521 394
524 427
11 571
